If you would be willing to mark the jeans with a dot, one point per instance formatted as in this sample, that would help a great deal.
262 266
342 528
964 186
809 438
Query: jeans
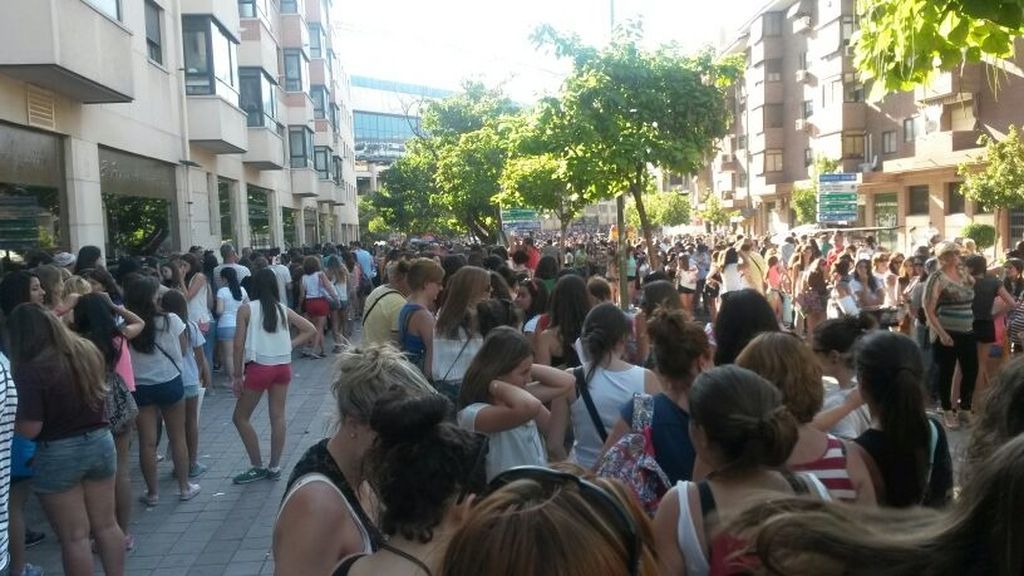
62 464
211 340
964 350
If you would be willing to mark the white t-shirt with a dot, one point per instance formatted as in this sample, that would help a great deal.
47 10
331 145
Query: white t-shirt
284 278
228 316
610 390
856 422
530 326
164 363
240 270
519 446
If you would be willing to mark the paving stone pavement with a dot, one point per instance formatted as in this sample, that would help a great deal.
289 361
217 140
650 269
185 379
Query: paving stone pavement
226 530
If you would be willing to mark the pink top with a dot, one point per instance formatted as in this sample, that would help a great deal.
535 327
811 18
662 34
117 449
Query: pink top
124 363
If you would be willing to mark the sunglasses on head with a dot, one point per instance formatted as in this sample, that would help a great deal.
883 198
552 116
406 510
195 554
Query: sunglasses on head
551 480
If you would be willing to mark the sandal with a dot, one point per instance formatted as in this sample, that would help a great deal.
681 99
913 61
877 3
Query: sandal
149 500
192 492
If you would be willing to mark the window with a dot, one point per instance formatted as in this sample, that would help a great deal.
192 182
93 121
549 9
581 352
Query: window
853 92
289 6
889 142
294 67
741 142
808 156
154 41
954 199
773 161
908 130
254 8
848 26
772 116
315 41
300 146
773 24
773 70
211 63
111 8
319 95
917 200
830 92
256 96
337 166
334 115
321 161
808 108
802 62
853 145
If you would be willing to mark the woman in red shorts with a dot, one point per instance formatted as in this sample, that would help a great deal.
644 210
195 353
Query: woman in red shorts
315 294
264 342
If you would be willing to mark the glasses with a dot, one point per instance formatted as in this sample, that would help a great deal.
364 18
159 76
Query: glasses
552 480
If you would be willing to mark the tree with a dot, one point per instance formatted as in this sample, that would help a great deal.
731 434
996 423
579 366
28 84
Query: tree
804 199
997 180
984 235
664 209
403 202
711 211
629 108
901 41
468 169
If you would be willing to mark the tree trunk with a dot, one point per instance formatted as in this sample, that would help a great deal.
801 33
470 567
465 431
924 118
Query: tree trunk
645 223
564 224
998 226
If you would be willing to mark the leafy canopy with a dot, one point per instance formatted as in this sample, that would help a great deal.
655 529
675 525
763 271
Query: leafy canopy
999 183
805 198
712 212
664 209
901 43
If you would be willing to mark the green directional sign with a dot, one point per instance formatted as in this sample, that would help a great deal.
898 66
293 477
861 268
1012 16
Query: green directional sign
513 215
838 197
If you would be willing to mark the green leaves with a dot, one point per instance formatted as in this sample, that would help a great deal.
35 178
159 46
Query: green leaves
1000 182
712 212
901 42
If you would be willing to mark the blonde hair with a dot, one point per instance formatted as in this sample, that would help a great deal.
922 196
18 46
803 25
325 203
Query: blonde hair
785 361
77 285
364 374
525 528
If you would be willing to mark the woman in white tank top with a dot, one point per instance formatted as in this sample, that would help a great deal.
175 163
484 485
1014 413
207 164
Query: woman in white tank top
607 380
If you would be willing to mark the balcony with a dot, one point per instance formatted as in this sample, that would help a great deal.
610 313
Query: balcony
258 48
950 87
313 12
938 144
803 24
266 149
217 125
69 47
318 72
729 163
294 33
223 11
305 182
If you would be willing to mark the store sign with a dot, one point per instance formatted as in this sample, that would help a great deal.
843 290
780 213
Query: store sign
837 198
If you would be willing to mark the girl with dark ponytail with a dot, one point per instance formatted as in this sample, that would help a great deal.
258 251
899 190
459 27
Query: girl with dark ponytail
907 452
603 384
743 433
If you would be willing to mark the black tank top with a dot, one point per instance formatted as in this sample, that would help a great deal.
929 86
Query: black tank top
317 460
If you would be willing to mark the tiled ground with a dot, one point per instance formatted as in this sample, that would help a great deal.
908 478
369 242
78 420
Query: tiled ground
227 528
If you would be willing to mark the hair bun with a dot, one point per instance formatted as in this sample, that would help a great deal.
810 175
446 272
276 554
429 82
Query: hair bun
400 417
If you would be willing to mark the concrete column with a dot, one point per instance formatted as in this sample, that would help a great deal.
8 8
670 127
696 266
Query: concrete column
84 198
300 225
276 220
185 208
213 191
240 210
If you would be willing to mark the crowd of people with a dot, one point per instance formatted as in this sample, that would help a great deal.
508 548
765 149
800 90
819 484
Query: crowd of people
776 407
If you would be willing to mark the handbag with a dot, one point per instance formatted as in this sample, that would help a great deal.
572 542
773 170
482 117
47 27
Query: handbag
120 408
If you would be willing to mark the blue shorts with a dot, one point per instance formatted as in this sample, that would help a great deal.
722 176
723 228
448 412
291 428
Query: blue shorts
162 395
22 452
225 333
60 465
191 391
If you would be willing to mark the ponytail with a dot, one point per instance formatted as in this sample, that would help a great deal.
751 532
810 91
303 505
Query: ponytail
604 327
230 277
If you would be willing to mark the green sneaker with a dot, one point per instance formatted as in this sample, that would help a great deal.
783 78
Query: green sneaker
252 475
274 473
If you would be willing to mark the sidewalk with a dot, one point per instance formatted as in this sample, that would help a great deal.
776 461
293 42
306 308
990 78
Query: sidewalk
226 529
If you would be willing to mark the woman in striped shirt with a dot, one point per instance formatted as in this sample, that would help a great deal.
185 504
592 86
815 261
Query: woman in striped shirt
784 360
949 309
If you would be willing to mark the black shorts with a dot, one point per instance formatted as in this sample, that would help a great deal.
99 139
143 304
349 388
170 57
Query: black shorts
685 290
985 331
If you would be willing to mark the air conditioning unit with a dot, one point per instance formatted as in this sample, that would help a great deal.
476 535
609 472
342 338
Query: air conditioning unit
801 124
802 24
801 76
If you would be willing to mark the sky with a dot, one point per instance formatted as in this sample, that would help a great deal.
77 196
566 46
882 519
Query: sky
440 43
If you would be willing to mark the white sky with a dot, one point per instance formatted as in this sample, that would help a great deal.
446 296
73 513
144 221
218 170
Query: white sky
441 42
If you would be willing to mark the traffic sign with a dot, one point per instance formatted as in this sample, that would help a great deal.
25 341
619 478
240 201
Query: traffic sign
512 215
837 197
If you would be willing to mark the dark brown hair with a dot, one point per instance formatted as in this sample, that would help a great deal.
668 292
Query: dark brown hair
678 344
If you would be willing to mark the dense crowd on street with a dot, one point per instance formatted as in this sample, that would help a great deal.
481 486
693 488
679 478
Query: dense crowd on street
761 405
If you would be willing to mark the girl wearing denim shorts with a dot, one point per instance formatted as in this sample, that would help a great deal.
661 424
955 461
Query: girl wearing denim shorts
230 298
265 343
157 362
61 383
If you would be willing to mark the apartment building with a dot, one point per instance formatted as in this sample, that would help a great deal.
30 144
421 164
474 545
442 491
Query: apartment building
161 124
801 99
